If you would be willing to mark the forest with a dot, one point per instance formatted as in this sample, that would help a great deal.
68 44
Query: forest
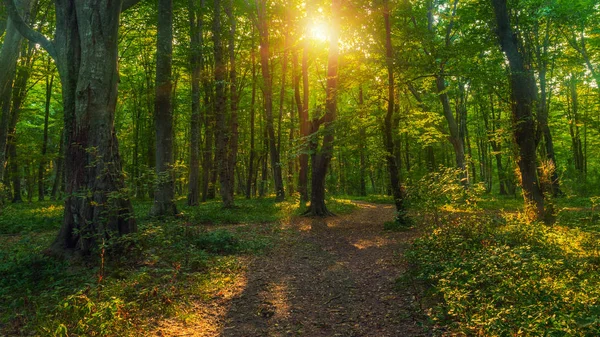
300 168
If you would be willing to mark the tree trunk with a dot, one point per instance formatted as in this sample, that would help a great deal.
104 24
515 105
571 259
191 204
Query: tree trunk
454 137
250 182
223 132
232 144
389 129
41 189
265 55
164 193
523 99
322 158
284 65
542 113
195 65
304 129
573 114
362 139
96 207
502 181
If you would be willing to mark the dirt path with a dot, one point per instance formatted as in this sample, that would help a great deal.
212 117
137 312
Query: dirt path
334 277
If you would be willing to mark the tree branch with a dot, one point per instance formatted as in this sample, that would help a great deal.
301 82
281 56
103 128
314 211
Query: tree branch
28 32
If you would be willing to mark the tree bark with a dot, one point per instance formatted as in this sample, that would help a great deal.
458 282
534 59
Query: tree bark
523 101
164 193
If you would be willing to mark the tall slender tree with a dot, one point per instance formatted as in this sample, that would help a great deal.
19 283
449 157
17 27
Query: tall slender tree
164 195
195 65
265 62
389 129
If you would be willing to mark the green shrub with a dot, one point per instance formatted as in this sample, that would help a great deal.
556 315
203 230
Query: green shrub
503 277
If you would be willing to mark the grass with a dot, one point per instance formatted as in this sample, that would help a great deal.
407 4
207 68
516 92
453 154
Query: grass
175 262
493 274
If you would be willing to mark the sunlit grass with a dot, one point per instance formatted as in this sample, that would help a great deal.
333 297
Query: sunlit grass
494 274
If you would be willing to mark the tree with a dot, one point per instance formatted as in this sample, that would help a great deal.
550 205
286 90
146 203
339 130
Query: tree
164 195
322 158
96 207
41 188
523 102
195 65
389 130
265 54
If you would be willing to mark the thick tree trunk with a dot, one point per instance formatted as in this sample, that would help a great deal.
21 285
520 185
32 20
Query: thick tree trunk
195 65
96 208
164 193
523 98
323 156
265 55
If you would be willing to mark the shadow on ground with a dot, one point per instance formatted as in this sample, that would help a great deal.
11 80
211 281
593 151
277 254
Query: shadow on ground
335 277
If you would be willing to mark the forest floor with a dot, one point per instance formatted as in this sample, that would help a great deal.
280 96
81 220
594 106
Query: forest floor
325 277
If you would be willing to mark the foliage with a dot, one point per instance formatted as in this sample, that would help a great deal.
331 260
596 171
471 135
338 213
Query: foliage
441 193
172 262
33 218
496 275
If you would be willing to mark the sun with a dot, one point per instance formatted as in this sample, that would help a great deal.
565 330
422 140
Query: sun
319 31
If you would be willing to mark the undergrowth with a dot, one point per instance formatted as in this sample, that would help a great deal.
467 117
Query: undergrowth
173 263
494 274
